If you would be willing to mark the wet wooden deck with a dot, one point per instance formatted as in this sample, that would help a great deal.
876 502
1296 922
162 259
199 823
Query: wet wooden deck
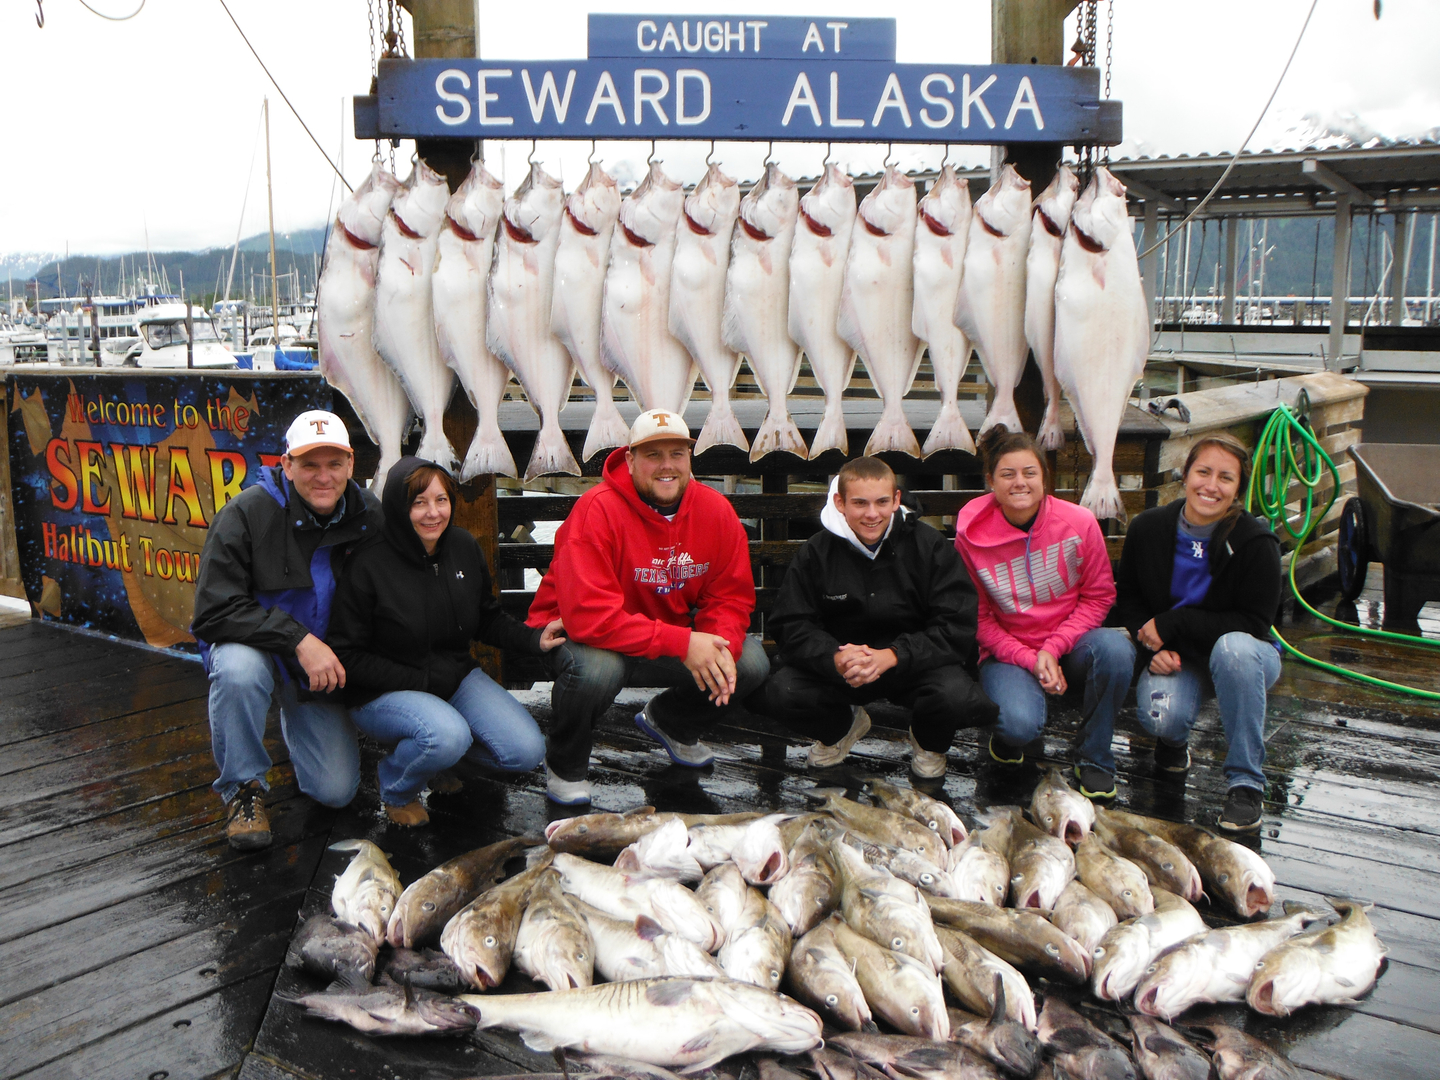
134 943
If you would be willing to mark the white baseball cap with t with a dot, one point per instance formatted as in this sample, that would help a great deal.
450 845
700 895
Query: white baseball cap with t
657 424
314 429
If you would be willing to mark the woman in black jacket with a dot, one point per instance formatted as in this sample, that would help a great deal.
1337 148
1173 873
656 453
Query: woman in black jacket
403 619
1198 587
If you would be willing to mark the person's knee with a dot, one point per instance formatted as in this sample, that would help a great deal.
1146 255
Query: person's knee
1236 653
1156 707
751 668
785 693
1113 652
961 699
447 742
527 748
333 787
1019 721
235 665
585 669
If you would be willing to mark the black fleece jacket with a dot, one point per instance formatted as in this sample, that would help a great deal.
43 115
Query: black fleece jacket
1244 589
914 597
404 620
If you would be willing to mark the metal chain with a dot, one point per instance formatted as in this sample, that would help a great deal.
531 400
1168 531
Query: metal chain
1109 50
374 71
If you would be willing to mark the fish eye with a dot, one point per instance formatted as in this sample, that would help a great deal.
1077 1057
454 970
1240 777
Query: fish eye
583 829
832 999
927 878
1099 951
1259 965
1127 894
896 943
1052 949
935 825
580 955
1224 878
1016 879
489 941
1167 866
774 975
914 1010
428 905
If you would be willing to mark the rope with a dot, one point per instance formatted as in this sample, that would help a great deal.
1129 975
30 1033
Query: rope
286 99
1268 101
1279 463
114 18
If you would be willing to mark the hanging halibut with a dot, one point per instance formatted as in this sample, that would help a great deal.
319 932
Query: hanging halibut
757 301
585 231
697 298
518 325
404 307
817 274
462 269
1048 223
942 227
877 301
635 338
1102 329
990 306
345 312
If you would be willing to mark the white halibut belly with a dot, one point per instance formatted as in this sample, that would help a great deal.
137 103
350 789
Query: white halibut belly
1042 267
636 337
876 318
817 275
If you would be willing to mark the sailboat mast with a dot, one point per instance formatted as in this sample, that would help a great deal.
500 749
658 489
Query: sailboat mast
270 200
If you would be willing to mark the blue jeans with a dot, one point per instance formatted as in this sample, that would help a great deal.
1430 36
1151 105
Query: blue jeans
587 680
1103 661
1242 669
319 735
481 721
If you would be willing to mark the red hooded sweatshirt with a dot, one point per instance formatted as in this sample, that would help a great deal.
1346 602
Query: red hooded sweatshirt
625 579
1040 589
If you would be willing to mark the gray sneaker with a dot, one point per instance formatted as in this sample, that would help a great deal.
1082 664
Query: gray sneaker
821 755
694 755
926 764
566 792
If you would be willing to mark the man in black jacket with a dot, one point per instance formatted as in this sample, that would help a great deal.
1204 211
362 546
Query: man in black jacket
876 605
262 608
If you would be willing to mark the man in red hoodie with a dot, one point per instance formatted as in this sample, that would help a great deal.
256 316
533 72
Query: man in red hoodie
651 576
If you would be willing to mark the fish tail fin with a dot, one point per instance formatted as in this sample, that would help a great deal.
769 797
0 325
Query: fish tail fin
488 453
607 429
1002 411
893 432
1051 435
778 432
949 432
434 446
722 427
388 458
1102 496
551 454
831 434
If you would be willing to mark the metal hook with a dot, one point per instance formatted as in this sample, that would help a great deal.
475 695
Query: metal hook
477 157
946 158
651 159
530 157
889 151
40 14
769 154
829 148
590 159
710 157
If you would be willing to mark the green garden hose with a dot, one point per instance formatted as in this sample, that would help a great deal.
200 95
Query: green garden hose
1288 453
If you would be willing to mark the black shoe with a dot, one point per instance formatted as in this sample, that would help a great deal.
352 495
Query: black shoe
1004 753
1242 810
1172 759
1095 782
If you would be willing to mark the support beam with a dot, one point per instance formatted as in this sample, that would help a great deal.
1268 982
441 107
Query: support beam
1150 268
1399 276
444 29
1138 189
1340 286
1227 280
1327 177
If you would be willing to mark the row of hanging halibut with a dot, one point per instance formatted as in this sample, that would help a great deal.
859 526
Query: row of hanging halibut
420 286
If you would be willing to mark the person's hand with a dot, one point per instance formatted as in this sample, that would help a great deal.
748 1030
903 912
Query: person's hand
709 662
1047 670
847 655
321 665
869 664
1165 662
552 635
1148 636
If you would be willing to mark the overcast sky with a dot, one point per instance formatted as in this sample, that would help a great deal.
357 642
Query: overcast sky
119 127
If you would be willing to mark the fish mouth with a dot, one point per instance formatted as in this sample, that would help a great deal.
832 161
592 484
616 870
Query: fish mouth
1146 1002
1074 832
483 979
1032 899
1262 998
770 867
1257 898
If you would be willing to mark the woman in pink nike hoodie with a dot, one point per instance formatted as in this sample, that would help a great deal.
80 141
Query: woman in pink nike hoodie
1045 584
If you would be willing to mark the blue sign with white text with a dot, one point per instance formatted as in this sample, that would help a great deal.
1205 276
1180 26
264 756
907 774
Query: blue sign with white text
769 37
699 97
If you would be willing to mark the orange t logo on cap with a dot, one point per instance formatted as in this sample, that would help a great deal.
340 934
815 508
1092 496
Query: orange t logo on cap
663 419
319 426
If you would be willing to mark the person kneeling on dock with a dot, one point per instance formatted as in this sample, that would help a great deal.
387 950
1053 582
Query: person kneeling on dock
651 576
405 615
1199 586
262 609
876 605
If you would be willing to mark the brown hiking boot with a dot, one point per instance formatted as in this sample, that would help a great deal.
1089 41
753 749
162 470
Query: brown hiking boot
412 815
247 827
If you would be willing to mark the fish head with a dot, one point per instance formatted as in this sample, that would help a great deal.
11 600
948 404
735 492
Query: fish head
833 988
1057 201
595 204
476 204
421 203
919 989
946 208
1173 982
1285 979
1005 206
1100 218
890 207
711 208
761 854
1015 1049
1119 961
363 212
1242 877
751 957
649 213
678 910
599 832
532 214
783 1024
828 208
445 1014
771 207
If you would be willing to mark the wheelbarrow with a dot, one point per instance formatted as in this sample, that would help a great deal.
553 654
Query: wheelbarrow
1395 520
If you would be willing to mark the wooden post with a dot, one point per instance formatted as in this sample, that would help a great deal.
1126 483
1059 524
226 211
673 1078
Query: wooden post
1340 283
444 29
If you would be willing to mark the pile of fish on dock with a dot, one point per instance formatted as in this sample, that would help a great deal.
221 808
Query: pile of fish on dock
668 939
421 286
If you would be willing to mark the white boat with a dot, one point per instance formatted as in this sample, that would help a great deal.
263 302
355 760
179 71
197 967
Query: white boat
162 341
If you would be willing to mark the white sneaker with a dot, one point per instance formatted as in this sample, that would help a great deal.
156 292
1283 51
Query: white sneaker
566 792
821 756
926 764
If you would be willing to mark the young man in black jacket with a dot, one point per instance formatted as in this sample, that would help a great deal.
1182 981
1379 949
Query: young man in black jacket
876 605
262 609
